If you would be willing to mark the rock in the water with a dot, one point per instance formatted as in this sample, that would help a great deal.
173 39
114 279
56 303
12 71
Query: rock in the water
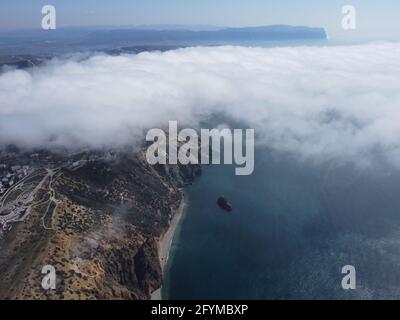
224 204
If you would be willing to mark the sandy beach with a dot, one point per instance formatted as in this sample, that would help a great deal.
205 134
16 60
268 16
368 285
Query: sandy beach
165 243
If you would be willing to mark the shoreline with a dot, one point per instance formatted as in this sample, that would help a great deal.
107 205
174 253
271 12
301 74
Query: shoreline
165 244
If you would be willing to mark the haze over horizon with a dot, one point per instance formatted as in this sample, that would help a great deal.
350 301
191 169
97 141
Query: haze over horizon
375 21
312 117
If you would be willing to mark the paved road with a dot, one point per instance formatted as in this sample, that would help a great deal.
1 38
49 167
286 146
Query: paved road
20 212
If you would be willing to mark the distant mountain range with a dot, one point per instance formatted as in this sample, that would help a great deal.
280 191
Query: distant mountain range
65 40
149 36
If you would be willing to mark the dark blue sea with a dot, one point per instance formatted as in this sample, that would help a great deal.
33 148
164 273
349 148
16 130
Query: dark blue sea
293 227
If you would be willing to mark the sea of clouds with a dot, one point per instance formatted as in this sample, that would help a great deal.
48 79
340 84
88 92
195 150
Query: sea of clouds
316 102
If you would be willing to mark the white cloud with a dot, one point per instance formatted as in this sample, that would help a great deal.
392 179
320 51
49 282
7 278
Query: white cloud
314 101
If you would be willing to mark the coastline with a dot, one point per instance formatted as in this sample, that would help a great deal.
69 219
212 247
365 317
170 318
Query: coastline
165 244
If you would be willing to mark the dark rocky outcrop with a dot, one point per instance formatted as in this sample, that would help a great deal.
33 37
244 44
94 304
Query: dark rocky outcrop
224 204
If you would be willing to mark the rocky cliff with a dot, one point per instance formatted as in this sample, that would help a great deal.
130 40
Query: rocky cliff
98 224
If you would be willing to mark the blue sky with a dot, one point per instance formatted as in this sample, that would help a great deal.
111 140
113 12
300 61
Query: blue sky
376 19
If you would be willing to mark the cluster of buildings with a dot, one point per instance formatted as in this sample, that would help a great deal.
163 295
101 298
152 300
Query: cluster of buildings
10 175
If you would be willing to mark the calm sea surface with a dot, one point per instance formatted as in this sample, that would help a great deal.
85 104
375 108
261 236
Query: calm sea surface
293 227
